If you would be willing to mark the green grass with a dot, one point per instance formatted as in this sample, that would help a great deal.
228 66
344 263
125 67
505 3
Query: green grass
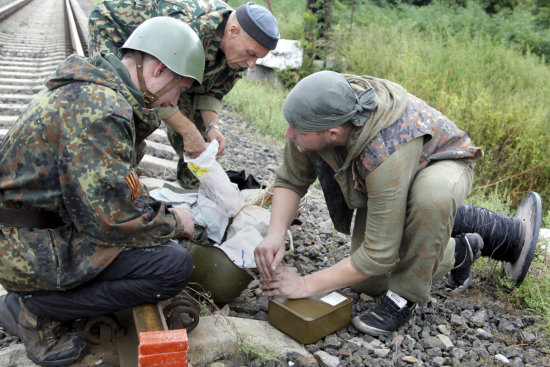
260 103
490 89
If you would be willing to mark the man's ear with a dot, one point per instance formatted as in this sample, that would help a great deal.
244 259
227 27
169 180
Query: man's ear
334 133
234 30
159 68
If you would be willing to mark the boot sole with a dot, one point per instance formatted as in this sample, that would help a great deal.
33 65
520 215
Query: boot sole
529 212
65 362
450 284
364 328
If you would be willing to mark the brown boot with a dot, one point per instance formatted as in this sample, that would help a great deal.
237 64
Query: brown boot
44 343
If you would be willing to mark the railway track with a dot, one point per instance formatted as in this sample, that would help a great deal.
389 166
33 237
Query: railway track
36 36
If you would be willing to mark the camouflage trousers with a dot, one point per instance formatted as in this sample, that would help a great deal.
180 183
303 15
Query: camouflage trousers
426 252
185 177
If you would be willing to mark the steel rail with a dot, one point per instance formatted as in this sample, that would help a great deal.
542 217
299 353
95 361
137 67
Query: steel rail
33 42
12 7
74 34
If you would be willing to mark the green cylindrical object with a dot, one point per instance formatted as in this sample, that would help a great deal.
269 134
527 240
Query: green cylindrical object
214 272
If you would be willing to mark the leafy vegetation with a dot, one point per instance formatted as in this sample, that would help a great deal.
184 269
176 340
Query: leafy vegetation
460 60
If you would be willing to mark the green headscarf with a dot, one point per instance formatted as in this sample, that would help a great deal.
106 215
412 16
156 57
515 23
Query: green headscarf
326 99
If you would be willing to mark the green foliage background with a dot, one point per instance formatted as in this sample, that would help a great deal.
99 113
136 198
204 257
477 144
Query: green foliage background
487 72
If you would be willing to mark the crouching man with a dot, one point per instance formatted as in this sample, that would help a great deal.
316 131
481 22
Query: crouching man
79 234
402 166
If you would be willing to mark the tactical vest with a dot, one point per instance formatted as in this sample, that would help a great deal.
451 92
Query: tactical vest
442 140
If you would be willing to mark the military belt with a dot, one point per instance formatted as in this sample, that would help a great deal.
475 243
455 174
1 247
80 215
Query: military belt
24 218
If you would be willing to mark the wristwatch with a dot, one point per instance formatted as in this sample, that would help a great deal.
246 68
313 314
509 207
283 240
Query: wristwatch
211 127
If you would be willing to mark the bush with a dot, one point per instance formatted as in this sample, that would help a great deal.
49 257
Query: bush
490 89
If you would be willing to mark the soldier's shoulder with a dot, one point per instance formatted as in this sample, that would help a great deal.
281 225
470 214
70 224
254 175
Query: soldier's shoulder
97 101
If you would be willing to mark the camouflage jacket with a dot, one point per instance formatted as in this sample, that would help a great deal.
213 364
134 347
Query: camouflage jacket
442 140
112 22
73 152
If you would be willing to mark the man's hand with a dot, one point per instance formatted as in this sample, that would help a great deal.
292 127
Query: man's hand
185 218
215 134
268 255
211 118
193 141
287 283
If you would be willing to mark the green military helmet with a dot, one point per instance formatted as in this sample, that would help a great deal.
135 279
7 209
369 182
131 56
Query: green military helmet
171 41
215 273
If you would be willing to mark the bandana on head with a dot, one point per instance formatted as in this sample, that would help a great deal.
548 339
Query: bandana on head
326 99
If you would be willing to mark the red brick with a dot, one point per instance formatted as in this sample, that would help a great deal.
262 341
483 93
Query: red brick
164 341
174 359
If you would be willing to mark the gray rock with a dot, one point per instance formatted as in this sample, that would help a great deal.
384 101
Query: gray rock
410 360
332 341
356 341
326 360
467 314
458 353
483 334
479 318
457 320
502 359
432 342
512 352
437 361
382 352
444 329
306 362
446 341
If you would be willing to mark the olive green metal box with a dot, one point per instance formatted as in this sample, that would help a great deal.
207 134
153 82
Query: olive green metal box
309 319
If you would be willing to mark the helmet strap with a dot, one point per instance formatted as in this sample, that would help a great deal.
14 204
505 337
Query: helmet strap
148 96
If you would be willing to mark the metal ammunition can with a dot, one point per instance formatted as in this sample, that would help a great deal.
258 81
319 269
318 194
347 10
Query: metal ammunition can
309 319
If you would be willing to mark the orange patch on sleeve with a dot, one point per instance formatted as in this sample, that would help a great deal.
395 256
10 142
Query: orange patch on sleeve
132 180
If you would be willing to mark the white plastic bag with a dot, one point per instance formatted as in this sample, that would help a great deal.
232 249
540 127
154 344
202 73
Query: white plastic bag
205 214
214 182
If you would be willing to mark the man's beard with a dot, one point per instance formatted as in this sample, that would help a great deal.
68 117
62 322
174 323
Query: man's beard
326 145
302 150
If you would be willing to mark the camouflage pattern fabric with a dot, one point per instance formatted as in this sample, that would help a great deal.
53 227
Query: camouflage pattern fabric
74 152
444 140
112 22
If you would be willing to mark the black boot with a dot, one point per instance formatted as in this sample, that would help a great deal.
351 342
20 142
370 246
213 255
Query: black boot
509 239
460 277
44 343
